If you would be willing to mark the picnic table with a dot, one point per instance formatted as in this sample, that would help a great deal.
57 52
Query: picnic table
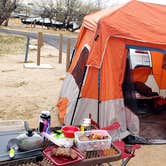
90 157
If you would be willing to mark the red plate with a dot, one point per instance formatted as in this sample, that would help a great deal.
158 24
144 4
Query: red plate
60 161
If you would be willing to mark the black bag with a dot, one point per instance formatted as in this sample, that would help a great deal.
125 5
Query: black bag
143 89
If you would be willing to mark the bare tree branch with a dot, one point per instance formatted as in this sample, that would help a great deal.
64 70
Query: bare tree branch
6 8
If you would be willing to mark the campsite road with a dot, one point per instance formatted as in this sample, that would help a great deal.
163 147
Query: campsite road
50 39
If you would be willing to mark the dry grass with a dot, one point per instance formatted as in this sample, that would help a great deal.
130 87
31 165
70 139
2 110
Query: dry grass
18 43
11 44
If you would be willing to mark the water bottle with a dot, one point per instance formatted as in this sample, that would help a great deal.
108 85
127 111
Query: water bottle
44 122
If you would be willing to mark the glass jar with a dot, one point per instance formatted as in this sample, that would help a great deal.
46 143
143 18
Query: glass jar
86 124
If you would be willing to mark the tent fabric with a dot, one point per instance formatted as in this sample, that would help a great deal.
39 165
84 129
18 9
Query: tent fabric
111 74
108 34
112 25
158 71
140 74
145 28
91 20
81 42
62 107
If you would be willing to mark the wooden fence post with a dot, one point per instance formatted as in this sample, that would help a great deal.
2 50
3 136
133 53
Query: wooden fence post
27 50
68 54
60 47
39 45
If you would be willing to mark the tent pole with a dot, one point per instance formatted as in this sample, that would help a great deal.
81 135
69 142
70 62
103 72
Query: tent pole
98 107
162 68
78 96
72 56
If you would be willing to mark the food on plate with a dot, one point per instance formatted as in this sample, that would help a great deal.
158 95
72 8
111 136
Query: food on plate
96 136
92 136
93 140
64 152
109 152
83 138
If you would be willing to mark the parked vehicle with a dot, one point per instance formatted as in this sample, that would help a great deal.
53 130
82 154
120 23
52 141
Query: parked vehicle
50 23
29 20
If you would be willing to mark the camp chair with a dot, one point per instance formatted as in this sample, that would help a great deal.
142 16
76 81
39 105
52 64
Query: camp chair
127 151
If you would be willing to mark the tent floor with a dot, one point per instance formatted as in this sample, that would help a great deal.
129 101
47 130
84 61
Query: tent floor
153 126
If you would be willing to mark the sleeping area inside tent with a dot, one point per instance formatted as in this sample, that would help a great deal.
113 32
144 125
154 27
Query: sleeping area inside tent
144 90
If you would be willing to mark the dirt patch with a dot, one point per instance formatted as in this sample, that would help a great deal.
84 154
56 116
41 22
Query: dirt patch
16 84
10 70
26 92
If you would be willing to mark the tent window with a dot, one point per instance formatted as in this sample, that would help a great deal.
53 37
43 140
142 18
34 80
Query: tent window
78 70
139 58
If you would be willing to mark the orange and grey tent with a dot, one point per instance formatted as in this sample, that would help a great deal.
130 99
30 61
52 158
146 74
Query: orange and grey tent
94 80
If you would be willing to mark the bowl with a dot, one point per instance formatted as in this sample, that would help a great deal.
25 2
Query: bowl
69 131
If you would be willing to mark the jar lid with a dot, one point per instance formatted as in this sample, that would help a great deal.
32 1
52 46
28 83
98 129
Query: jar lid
87 120
85 124
45 113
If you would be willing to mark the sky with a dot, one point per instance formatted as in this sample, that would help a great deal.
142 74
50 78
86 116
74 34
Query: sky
113 1
152 1
156 1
